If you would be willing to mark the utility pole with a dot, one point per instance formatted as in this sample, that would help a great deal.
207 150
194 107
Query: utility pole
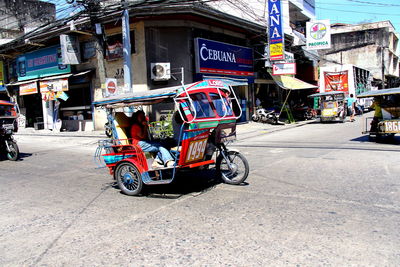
383 66
126 42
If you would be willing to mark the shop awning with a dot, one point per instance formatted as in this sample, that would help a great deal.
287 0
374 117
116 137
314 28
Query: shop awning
22 82
49 78
291 83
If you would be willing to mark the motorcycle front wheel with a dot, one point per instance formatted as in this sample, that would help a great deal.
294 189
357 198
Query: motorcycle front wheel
255 118
13 154
233 168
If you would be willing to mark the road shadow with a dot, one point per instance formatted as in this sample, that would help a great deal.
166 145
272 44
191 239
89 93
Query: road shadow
21 157
391 140
185 182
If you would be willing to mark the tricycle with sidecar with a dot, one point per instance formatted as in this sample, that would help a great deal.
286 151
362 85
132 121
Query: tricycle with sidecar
207 120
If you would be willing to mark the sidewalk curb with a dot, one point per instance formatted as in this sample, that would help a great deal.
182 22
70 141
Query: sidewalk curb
270 131
253 132
60 135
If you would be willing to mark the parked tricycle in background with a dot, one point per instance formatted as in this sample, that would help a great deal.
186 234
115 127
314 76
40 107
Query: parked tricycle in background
386 120
332 106
207 124
8 125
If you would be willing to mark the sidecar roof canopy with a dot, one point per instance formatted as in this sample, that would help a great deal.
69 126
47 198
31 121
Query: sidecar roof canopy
382 92
150 97
139 98
6 103
327 93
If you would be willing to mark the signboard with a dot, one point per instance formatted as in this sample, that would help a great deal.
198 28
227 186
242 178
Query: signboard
275 33
111 86
28 88
392 126
318 34
336 81
2 87
283 68
224 59
56 85
41 63
70 50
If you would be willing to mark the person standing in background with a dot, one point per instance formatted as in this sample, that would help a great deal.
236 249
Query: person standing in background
351 106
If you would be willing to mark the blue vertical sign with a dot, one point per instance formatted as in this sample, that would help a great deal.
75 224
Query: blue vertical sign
275 32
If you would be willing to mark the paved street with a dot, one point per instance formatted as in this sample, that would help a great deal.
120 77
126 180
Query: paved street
317 195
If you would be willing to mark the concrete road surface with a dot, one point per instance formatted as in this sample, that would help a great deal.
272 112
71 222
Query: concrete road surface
317 195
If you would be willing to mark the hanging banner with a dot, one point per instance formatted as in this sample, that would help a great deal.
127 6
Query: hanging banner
275 33
70 49
56 85
318 34
28 88
336 81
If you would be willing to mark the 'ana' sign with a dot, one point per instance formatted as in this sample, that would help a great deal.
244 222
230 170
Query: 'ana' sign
275 33
221 58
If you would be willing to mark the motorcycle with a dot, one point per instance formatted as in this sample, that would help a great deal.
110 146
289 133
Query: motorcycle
7 142
265 116
301 112
8 125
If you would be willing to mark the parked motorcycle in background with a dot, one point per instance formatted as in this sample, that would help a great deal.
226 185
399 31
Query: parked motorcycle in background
265 116
8 145
9 113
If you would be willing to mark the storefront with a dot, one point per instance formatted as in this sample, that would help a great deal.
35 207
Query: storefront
50 95
227 61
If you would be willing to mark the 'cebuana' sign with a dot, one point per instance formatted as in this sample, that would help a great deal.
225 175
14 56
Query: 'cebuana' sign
275 33
221 58
318 34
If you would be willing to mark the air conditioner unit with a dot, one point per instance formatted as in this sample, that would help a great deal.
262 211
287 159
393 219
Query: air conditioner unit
160 71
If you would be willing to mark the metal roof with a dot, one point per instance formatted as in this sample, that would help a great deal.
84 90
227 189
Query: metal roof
382 92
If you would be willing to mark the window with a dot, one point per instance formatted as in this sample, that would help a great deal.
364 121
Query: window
114 47
221 105
202 106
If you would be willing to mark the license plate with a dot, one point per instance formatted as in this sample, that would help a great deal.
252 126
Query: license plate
327 112
392 126
196 150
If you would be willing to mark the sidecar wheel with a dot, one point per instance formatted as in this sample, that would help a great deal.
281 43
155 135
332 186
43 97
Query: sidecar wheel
13 154
129 179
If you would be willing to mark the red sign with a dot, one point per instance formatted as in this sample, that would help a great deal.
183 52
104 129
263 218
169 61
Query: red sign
111 87
336 81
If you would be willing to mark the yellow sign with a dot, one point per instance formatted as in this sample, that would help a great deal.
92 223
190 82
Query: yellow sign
328 113
1 73
28 88
276 51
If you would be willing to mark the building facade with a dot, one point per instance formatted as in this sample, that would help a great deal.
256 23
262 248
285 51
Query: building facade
370 46
55 94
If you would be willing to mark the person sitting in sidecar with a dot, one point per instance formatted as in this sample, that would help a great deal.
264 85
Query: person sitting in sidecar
140 135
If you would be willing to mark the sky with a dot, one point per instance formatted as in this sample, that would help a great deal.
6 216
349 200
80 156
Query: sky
345 11
359 11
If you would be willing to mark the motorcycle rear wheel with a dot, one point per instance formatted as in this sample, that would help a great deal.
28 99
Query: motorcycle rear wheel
13 154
